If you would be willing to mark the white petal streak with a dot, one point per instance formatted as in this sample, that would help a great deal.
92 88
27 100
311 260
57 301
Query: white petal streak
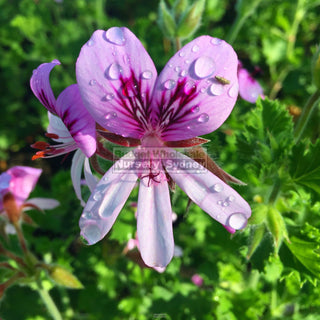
154 218
43 203
91 180
76 171
105 203
210 193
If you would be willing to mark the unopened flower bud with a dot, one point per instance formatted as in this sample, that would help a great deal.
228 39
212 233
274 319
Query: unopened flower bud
166 21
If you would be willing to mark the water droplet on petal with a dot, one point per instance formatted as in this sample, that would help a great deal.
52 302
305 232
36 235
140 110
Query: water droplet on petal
187 61
111 115
231 198
204 67
183 73
177 69
126 59
195 109
170 65
169 84
203 118
220 202
233 91
216 89
189 87
115 35
217 187
92 82
195 48
91 232
237 221
216 41
147 74
181 54
97 196
108 97
114 71
225 204
90 43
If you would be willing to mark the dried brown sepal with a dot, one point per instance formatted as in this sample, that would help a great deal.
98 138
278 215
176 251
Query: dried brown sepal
117 139
11 208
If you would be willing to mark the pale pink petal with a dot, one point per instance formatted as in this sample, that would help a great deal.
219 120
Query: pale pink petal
197 89
106 201
91 180
154 224
210 193
43 203
57 127
23 181
116 77
40 85
249 88
76 172
77 119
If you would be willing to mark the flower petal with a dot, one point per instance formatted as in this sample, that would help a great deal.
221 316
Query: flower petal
23 180
116 77
210 193
43 203
40 85
154 224
77 119
57 127
76 171
91 180
197 89
106 201
249 88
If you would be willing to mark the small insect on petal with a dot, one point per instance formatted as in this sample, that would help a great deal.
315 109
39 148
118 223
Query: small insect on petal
222 80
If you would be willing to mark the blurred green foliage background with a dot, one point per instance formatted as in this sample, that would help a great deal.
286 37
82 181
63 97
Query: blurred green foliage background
268 271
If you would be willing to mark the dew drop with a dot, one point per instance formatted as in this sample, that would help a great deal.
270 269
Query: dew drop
220 202
114 71
187 61
195 109
216 41
233 91
169 84
181 54
111 115
183 73
170 65
115 35
203 118
92 82
225 204
231 198
189 87
204 67
90 43
217 187
216 89
237 221
195 48
126 59
97 196
177 69
91 232
108 97
203 90
147 75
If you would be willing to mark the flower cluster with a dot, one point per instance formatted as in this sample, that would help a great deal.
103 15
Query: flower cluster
120 98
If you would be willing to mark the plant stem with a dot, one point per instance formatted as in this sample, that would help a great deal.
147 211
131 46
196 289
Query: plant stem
22 241
49 303
177 44
305 116
275 191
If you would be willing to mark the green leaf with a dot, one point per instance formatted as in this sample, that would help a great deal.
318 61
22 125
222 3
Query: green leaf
307 252
305 165
166 21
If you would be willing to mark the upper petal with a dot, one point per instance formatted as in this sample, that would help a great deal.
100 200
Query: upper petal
154 224
23 181
116 77
197 89
77 119
40 85
106 201
210 193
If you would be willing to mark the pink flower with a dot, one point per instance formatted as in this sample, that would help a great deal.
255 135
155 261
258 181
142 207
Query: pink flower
16 185
249 88
70 125
120 88
197 280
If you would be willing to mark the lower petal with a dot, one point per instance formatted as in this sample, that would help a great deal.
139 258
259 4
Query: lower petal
154 220
209 192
